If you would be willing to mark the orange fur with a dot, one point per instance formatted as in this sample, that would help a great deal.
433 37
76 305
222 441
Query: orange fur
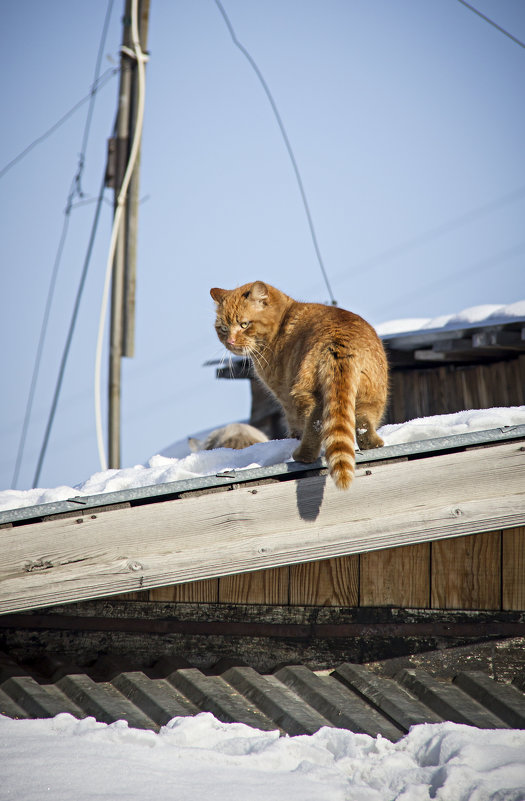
325 365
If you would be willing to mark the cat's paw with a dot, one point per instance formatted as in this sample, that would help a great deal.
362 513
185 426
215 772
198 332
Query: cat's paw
301 454
367 440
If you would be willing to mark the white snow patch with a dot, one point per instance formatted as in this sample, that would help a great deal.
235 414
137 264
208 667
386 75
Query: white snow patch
161 469
486 314
445 425
199 757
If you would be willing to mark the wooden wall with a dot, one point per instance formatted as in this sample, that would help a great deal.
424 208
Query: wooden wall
481 571
421 392
452 388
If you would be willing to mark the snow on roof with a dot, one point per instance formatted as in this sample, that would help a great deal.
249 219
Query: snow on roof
162 469
486 314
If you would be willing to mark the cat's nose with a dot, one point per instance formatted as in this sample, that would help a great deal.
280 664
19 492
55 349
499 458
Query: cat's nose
231 341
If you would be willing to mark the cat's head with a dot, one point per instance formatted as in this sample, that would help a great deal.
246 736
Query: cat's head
247 317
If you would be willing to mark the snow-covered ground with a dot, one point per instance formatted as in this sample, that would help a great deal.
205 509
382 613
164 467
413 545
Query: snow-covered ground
177 463
199 757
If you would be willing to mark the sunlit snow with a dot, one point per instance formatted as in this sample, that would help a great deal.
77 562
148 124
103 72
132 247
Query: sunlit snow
177 463
200 757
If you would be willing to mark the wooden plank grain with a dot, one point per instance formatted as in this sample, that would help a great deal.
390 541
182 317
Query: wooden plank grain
396 577
331 582
513 568
260 587
192 592
466 572
257 528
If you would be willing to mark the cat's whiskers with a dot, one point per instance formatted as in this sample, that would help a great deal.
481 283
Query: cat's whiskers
223 359
258 355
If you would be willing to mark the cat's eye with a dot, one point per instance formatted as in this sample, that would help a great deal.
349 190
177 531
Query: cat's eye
244 324
224 329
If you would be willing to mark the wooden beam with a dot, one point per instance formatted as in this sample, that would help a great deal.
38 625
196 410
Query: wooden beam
260 527
503 340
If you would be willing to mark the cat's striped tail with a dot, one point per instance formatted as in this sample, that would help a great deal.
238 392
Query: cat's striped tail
338 422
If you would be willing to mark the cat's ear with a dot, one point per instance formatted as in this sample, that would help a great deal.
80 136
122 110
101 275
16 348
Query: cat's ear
218 295
259 293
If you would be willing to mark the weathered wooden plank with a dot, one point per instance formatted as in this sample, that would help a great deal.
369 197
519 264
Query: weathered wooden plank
332 582
396 577
249 528
261 587
513 568
466 572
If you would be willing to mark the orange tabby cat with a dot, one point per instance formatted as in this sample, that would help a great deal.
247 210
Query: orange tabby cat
325 365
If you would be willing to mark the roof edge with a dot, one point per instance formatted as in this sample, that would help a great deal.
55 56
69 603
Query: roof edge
283 471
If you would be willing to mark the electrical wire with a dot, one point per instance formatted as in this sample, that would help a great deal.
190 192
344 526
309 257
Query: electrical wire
494 24
40 347
95 87
472 269
280 123
75 189
71 330
141 59
91 107
430 234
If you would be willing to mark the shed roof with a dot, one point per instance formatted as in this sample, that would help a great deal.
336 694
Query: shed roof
280 515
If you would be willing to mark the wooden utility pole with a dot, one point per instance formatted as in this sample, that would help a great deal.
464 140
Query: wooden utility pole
124 264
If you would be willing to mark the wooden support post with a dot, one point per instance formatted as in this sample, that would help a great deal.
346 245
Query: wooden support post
123 279
132 206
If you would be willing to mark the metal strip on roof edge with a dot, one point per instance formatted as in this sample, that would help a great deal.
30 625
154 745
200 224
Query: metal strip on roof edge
158 491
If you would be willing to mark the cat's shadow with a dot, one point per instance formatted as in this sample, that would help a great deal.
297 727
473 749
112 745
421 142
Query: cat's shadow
309 492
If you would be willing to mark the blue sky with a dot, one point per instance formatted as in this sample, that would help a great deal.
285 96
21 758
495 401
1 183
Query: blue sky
407 123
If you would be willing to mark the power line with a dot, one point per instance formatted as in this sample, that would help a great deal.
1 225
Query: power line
494 24
433 233
40 347
472 269
286 142
74 189
99 83
91 107
69 337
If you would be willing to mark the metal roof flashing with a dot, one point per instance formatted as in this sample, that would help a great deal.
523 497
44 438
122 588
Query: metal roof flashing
281 472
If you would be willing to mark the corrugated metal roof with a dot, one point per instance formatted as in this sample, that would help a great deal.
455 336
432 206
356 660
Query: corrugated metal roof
293 699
